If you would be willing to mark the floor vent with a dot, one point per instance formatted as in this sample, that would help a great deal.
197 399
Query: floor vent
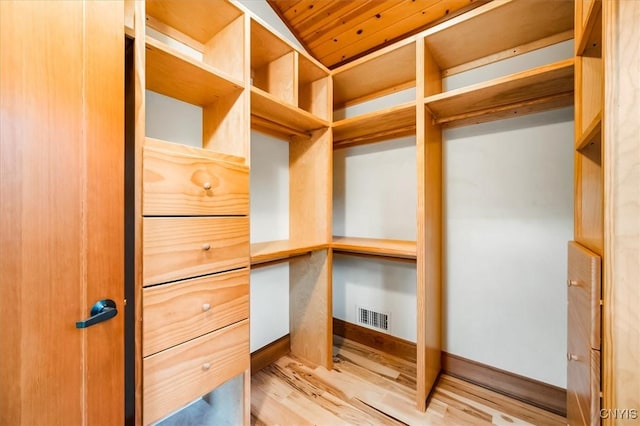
374 319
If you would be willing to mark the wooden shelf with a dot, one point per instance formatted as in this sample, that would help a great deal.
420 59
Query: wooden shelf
386 71
497 27
179 76
539 89
375 246
199 20
590 34
271 115
380 125
591 135
271 251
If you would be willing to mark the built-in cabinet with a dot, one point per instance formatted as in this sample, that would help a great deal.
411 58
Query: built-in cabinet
193 212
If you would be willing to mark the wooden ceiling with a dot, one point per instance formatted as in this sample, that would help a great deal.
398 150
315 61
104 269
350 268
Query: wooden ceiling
338 31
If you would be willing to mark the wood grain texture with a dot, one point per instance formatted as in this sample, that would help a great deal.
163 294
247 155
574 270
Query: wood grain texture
315 89
290 119
369 387
177 376
498 96
185 181
270 353
61 195
282 249
584 293
389 123
396 65
310 307
199 19
375 246
621 127
429 233
496 27
226 49
179 76
176 248
181 311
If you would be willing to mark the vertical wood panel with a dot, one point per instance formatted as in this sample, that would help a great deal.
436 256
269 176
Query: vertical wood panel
104 206
621 289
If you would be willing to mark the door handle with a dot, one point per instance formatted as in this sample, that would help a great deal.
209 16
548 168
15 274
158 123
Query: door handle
103 310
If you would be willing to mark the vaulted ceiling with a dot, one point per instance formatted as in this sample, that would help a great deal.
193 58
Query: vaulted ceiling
337 31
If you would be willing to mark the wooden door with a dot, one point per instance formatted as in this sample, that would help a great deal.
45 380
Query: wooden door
61 211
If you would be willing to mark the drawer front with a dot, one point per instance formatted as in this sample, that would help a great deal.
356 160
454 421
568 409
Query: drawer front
178 312
177 376
177 248
185 181
583 388
584 280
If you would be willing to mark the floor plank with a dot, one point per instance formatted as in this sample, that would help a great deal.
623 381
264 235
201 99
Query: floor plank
367 387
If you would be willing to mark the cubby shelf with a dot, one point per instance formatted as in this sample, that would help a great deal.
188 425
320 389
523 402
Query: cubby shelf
270 114
539 89
376 126
179 76
375 246
394 68
499 28
282 249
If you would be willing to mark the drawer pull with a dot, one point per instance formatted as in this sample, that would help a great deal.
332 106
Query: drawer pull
573 283
206 366
206 307
572 357
206 246
207 186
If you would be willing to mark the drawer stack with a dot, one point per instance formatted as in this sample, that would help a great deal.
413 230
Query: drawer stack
195 330
583 345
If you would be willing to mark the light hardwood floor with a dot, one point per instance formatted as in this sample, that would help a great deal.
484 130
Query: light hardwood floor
369 387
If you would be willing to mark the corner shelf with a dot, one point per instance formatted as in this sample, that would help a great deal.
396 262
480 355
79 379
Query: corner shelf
590 34
395 66
496 29
270 114
271 251
376 126
591 135
179 76
539 89
401 249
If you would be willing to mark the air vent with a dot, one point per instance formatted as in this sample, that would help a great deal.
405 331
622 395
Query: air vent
373 319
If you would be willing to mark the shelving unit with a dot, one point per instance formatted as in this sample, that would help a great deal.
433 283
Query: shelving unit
586 254
291 100
193 279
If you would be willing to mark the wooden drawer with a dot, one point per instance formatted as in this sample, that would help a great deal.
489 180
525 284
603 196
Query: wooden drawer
583 296
180 180
583 387
177 248
177 376
177 312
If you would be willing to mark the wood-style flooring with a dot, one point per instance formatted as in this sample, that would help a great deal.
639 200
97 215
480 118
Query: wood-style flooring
367 387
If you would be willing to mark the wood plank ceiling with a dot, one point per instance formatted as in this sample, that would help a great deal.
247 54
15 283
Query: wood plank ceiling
338 31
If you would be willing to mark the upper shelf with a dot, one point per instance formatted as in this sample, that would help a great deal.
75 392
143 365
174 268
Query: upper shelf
271 114
179 76
388 70
389 123
539 89
282 249
199 20
375 246
497 27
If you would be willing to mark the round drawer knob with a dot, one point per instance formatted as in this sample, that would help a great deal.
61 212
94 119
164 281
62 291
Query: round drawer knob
206 366
206 246
573 283
206 307
572 357
207 186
